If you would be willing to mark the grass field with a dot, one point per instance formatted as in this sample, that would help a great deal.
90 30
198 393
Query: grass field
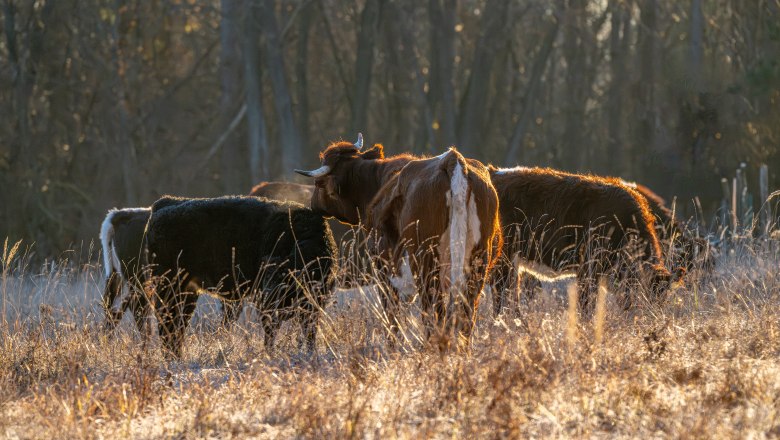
704 365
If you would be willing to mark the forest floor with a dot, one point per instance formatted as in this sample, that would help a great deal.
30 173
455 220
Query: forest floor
705 365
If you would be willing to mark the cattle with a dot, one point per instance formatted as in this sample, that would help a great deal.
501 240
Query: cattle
352 243
279 254
124 252
693 250
575 222
121 235
440 212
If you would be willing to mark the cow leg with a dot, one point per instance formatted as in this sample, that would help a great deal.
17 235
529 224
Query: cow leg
503 279
112 290
468 313
141 309
175 309
433 307
271 324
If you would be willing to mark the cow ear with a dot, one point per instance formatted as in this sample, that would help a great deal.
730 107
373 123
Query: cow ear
376 152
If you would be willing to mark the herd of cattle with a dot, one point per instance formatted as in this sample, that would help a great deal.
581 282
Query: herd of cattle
455 222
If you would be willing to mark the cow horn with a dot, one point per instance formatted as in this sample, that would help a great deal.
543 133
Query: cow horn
359 142
319 172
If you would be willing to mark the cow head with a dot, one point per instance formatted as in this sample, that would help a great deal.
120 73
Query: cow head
339 190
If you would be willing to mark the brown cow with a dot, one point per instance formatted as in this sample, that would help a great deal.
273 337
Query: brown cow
441 212
570 221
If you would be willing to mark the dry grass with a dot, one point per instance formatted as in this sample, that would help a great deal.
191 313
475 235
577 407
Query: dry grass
704 365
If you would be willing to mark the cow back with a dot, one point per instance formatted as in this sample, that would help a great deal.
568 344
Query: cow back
229 241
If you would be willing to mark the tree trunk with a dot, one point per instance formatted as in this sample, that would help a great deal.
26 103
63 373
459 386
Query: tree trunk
648 60
574 53
301 63
471 117
288 133
526 112
364 62
618 41
256 130
122 130
406 59
442 16
697 43
230 84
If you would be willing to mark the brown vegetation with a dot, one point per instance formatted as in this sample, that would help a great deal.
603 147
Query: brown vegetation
704 365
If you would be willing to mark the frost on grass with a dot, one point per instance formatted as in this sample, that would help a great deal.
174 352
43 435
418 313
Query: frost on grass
703 365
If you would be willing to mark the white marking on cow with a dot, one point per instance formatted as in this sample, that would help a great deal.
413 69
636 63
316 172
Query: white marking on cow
474 225
110 259
404 282
460 248
540 271
512 170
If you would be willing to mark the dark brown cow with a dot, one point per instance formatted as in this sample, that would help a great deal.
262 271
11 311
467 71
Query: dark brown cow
575 222
684 248
441 212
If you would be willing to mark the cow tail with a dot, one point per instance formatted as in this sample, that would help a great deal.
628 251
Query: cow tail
110 257
459 228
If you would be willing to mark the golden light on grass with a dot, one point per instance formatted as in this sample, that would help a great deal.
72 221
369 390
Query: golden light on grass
710 373
601 311
571 316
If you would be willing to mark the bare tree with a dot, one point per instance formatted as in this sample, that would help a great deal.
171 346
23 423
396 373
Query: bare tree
531 91
288 133
471 116
256 129
364 62
230 84
301 72
442 18
618 43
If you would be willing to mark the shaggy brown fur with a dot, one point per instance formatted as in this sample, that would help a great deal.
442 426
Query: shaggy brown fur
571 221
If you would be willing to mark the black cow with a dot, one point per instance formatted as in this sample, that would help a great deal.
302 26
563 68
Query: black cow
124 257
281 255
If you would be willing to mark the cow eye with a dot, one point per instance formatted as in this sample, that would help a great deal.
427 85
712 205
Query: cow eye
319 183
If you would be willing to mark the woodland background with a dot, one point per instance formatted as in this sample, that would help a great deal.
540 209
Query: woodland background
108 103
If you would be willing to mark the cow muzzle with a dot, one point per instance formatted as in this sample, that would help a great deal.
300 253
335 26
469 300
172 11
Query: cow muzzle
319 172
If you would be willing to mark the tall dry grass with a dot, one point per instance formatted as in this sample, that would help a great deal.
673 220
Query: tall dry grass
705 364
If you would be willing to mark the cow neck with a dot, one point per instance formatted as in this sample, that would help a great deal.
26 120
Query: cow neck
373 176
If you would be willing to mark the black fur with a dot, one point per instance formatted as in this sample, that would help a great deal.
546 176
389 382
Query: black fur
280 254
